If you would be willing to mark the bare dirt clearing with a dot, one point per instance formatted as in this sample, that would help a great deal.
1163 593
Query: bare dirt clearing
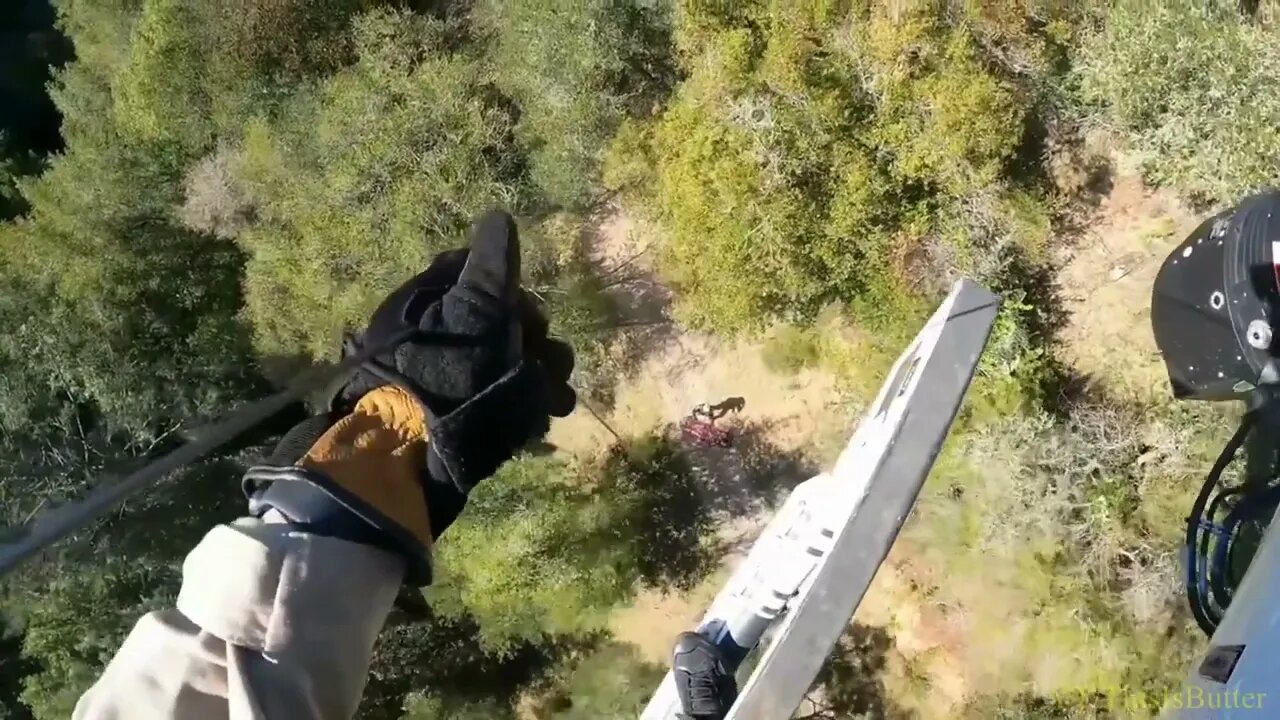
1106 288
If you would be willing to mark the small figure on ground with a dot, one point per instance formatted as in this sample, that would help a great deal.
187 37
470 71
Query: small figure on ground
704 433
714 412
734 405
696 430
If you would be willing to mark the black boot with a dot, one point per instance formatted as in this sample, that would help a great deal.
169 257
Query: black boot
705 686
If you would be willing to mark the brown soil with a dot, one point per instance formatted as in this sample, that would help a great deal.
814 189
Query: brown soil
1106 287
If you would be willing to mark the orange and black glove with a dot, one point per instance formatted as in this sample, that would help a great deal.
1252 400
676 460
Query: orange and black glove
410 434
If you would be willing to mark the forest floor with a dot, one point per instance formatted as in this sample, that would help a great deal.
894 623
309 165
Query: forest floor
802 420
1104 282
786 422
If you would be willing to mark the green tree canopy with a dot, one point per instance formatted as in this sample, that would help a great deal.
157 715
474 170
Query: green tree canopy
576 69
634 518
813 150
364 178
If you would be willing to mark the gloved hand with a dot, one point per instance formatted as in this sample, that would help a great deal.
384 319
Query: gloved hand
479 378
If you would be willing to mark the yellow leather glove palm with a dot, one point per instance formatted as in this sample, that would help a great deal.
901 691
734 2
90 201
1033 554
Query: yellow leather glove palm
377 454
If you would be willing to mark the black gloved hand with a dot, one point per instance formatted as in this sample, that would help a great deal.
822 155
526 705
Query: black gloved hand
484 368
471 350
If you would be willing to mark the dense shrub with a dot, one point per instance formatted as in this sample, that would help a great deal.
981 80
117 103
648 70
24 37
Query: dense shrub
812 155
430 706
365 178
947 120
123 308
576 70
546 548
1195 87
505 560
612 681
194 70
745 162
1070 530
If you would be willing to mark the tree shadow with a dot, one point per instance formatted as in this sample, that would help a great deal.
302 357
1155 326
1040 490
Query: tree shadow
666 520
610 680
15 668
445 655
688 506
1056 383
752 476
1026 164
633 318
849 685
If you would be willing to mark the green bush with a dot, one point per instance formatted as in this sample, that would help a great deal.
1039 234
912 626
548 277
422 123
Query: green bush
544 548
746 160
559 273
1195 87
198 69
628 162
610 682
435 666
663 518
791 349
79 623
1068 531
505 561
576 70
361 181
1026 706
812 155
947 120
122 307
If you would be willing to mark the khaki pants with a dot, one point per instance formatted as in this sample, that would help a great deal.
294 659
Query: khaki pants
270 623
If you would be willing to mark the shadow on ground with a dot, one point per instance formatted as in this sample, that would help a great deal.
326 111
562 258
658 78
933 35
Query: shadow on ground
689 506
849 684
444 655
634 304
665 521
751 477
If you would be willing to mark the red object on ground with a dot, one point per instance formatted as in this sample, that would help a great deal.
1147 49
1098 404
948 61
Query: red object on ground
704 433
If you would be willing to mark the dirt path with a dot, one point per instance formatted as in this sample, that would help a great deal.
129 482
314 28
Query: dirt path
1106 287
